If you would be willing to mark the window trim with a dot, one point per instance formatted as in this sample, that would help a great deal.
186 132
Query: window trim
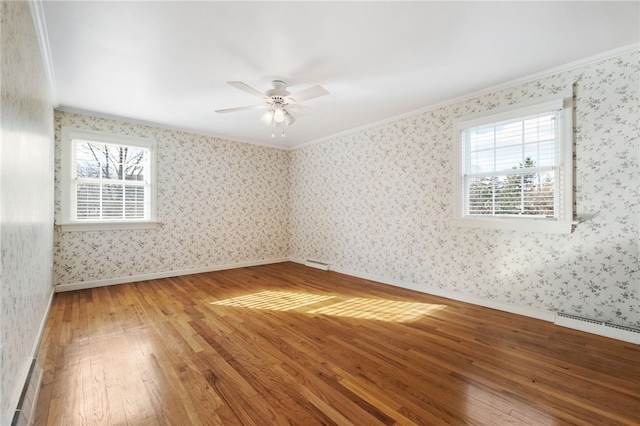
562 225
65 221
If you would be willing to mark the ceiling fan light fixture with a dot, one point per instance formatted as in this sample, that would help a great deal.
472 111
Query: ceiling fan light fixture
267 117
275 100
278 115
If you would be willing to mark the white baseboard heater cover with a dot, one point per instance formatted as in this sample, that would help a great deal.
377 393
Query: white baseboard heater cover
607 329
317 264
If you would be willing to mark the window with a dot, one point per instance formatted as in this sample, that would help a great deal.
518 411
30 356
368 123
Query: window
515 170
107 181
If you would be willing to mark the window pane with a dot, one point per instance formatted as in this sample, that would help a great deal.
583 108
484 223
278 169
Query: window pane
508 158
538 194
134 163
508 195
539 128
111 161
530 194
481 138
134 202
509 134
496 158
112 201
88 201
481 195
111 180
87 165
542 154
481 161
119 162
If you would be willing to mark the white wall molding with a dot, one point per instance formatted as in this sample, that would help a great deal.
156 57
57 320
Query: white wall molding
43 40
158 275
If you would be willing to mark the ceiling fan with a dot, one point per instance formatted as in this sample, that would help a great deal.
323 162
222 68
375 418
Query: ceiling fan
276 100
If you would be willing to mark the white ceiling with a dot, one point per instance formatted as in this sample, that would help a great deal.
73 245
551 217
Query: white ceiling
167 63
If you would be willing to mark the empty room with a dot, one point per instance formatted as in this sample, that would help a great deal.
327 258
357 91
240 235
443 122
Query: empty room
320 213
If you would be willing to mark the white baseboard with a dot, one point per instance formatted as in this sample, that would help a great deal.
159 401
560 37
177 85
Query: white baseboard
43 323
157 275
316 264
601 329
605 330
475 300
23 376
488 303
25 413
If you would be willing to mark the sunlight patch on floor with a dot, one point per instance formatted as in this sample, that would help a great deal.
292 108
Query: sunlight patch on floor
379 309
274 300
373 309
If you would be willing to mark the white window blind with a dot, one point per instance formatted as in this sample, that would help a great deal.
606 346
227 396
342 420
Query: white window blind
511 167
109 182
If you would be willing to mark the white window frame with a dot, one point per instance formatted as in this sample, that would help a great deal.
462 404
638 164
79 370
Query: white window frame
66 220
562 224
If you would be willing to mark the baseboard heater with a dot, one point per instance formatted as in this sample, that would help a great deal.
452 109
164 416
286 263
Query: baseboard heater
26 409
602 328
317 264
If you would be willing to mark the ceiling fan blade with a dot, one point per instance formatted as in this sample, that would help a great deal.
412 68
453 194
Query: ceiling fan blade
306 94
288 118
245 108
246 88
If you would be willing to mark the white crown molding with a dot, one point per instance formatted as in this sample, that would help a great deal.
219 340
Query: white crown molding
43 40
631 48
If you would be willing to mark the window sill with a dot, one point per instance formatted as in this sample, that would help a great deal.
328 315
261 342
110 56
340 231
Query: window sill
516 224
106 226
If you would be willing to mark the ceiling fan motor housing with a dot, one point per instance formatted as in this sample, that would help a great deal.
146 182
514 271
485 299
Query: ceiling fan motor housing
279 91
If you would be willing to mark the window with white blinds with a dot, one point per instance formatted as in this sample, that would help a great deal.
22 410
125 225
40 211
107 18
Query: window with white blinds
111 182
108 178
515 164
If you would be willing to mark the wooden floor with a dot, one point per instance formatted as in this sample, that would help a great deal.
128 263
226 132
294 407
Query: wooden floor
286 344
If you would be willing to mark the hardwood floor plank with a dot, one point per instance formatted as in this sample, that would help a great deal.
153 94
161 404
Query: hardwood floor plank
55 413
283 344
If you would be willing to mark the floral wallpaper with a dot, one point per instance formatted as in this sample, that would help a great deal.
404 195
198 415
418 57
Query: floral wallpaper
219 203
379 201
26 191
